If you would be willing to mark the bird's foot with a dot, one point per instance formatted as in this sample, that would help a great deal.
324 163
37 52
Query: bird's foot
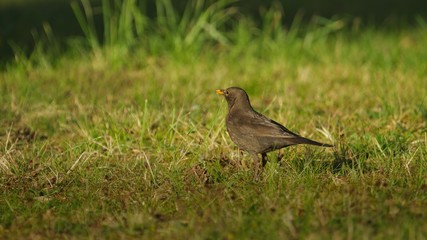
279 156
257 174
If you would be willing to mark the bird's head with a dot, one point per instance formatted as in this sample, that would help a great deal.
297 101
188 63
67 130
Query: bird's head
235 95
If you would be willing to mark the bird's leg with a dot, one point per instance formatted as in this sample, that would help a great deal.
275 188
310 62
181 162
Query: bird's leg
264 159
241 163
257 161
279 156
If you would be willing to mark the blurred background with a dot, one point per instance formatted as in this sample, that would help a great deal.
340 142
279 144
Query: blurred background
22 21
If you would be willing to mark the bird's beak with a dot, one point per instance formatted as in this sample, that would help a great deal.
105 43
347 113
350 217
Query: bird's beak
219 91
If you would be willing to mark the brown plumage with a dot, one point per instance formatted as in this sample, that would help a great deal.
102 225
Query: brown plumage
252 131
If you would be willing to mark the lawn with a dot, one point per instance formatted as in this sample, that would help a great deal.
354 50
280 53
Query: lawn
125 138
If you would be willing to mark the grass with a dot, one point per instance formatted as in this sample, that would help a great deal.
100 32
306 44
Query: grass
127 139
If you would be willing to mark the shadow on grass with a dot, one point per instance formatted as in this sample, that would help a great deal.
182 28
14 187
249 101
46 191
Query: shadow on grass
342 159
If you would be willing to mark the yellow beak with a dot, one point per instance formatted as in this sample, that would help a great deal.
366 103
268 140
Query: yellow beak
219 91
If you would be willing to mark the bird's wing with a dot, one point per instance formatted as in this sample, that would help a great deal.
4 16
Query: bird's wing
268 134
272 128
258 125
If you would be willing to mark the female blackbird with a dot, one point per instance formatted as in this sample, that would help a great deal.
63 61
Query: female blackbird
252 131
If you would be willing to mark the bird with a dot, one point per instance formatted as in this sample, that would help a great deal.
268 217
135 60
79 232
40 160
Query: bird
253 132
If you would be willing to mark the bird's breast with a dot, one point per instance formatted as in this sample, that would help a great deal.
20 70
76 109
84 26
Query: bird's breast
238 134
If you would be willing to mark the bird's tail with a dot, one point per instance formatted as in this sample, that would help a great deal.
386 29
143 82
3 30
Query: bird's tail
302 140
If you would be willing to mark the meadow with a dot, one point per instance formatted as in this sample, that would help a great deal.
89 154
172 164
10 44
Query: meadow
120 135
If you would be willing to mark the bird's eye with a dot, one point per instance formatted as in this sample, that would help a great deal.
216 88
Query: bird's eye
226 93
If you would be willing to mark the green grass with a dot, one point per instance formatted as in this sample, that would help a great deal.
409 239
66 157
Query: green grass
127 139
